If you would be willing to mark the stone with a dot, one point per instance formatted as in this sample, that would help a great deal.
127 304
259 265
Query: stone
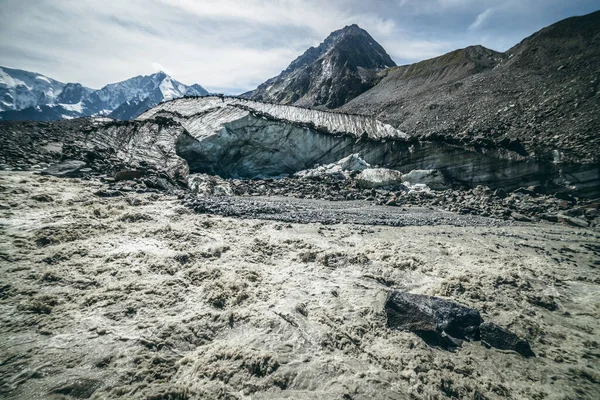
549 217
437 321
520 217
207 185
378 177
43 198
525 191
107 193
341 169
128 174
573 221
495 336
433 178
65 169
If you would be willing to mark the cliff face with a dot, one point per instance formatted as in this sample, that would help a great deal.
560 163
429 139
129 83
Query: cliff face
345 65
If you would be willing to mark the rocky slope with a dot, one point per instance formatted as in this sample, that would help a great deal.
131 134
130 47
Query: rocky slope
339 69
30 96
543 92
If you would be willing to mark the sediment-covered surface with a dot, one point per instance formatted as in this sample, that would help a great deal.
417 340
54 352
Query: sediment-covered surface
238 138
136 296
327 212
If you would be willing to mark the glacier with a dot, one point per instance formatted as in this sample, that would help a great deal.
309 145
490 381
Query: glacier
240 138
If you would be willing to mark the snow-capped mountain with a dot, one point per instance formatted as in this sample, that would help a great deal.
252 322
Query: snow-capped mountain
27 95
23 89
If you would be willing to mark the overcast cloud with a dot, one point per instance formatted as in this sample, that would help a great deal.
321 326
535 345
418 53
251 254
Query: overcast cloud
232 46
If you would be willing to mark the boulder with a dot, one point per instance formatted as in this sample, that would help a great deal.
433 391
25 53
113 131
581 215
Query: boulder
353 163
500 193
495 336
437 321
430 177
520 217
378 177
341 168
66 169
573 221
43 198
128 174
208 185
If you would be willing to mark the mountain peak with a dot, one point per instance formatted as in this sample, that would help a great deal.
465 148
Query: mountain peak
343 66
348 33
352 29
159 76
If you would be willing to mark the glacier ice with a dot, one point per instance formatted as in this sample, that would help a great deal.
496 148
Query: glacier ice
239 138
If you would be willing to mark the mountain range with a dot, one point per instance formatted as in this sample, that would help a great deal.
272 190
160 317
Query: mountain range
539 98
31 96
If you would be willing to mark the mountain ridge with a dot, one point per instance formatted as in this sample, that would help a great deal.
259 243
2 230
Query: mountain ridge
543 93
28 95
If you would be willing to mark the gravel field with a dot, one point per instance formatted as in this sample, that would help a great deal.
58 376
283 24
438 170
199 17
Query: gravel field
289 209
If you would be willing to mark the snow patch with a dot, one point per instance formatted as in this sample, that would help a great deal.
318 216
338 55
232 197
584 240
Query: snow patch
343 168
78 107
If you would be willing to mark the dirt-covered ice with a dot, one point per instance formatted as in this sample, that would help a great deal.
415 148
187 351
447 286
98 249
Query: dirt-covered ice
135 297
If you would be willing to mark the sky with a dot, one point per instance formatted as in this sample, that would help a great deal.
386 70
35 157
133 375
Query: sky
231 46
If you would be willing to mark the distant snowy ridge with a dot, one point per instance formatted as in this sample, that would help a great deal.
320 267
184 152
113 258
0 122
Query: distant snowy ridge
22 89
27 95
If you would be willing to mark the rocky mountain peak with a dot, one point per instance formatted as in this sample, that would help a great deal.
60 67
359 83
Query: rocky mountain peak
159 76
349 31
343 66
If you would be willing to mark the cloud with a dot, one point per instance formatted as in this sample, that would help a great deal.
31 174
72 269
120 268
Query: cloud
231 45
156 67
481 19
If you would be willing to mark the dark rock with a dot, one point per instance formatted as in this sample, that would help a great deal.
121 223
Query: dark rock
128 174
500 193
66 169
528 191
437 321
573 221
520 217
44 198
159 183
564 196
107 193
495 336
549 217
